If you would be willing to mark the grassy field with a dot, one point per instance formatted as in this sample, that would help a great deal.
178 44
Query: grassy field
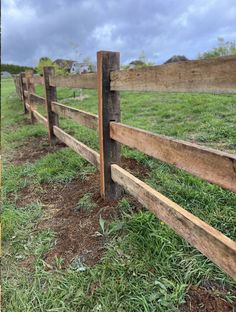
146 266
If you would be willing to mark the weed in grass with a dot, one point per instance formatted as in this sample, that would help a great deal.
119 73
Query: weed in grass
125 206
86 203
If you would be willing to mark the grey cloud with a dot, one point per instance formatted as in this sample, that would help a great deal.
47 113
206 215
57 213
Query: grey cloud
59 29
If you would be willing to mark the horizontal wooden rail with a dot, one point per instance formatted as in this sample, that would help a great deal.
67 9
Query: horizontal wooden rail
213 244
85 81
209 164
40 118
37 80
216 75
80 148
36 99
86 119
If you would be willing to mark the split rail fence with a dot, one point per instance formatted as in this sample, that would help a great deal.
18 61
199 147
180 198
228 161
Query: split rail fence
217 75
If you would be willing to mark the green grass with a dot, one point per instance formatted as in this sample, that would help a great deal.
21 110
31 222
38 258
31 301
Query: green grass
86 203
146 267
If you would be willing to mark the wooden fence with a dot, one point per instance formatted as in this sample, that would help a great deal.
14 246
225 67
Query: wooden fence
217 75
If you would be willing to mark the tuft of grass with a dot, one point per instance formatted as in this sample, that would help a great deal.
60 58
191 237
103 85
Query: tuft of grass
60 166
86 203
125 206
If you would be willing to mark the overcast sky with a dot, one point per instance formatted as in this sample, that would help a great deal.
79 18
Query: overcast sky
74 29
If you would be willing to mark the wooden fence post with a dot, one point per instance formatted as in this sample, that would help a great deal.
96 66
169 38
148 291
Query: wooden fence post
23 87
30 88
50 96
108 110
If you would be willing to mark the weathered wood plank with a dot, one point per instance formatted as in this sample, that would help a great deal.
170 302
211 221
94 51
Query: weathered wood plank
80 148
27 106
30 88
215 75
84 118
213 244
209 164
23 88
40 118
37 99
84 81
50 96
37 80
108 109
26 93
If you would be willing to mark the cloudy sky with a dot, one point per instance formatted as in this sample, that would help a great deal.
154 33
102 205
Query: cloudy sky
74 29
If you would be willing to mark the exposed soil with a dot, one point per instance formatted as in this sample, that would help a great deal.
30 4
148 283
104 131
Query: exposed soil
207 299
131 165
32 149
78 233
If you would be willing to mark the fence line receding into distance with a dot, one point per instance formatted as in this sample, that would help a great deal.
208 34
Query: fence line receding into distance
216 75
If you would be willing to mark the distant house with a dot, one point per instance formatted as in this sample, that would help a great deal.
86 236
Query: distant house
136 63
82 68
5 74
74 67
177 58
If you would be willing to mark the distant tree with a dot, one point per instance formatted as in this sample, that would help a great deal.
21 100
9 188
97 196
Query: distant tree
142 57
14 69
224 48
87 60
46 61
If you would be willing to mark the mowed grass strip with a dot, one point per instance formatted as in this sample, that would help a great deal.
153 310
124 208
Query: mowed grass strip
146 267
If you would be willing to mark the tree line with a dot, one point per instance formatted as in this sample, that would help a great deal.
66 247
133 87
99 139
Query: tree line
14 69
223 48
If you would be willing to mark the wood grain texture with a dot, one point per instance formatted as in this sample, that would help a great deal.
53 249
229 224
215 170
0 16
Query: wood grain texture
37 80
213 244
84 81
209 164
27 106
50 96
40 118
215 75
84 118
108 109
30 89
23 88
26 93
80 148
37 99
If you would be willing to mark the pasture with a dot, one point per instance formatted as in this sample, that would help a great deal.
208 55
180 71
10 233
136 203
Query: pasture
132 261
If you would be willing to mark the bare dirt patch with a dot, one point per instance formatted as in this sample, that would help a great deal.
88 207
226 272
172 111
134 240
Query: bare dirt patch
207 299
32 149
78 232
139 170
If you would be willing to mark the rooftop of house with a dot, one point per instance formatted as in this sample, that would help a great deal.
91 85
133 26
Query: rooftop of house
177 58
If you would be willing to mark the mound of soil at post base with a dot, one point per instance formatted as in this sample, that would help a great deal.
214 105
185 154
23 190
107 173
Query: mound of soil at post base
78 232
